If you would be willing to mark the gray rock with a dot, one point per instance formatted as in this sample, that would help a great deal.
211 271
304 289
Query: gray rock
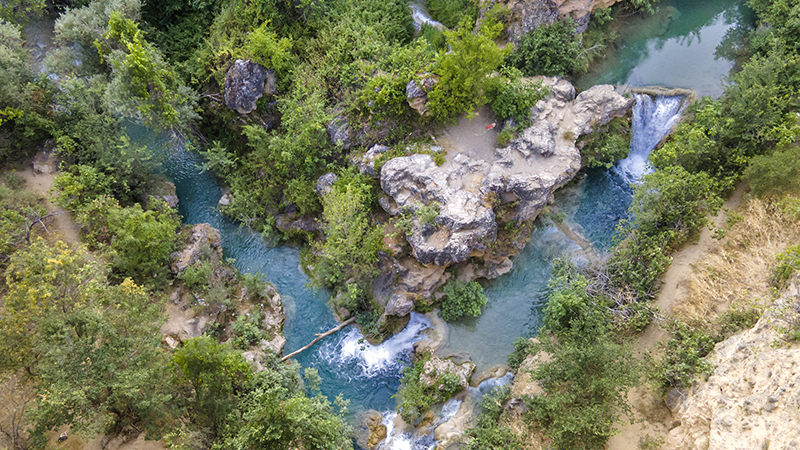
295 222
202 234
436 367
534 13
325 183
225 200
369 429
245 83
417 94
366 163
340 133
399 305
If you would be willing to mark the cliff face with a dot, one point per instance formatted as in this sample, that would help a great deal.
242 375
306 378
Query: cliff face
535 13
751 401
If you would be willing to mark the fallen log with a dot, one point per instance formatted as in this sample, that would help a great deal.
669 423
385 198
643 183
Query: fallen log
320 336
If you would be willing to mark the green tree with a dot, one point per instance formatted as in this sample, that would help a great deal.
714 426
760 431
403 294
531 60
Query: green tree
462 299
547 50
463 71
91 347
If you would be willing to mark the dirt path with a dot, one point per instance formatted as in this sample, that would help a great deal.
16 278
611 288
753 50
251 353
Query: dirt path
651 415
62 226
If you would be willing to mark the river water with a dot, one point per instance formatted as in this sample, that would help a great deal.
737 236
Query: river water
369 375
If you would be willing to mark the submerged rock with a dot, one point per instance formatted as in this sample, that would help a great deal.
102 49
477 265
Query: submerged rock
370 430
245 83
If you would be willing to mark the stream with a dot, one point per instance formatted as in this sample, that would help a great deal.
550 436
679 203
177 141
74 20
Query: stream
678 52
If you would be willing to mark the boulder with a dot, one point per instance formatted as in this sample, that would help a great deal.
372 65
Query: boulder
366 163
324 183
534 13
225 200
202 234
417 94
296 222
436 367
245 83
370 430
750 401
340 133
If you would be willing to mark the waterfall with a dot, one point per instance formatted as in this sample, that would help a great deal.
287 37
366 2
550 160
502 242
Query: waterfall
420 16
652 120
374 360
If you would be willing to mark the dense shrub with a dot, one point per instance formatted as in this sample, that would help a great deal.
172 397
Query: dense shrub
416 397
547 50
606 145
488 434
776 174
683 356
461 300
515 98
451 13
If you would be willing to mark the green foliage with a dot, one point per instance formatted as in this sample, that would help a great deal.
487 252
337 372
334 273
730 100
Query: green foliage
675 201
683 356
454 13
178 27
142 84
352 241
788 263
639 260
606 145
586 381
489 434
522 348
90 347
463 71
266 48
776 174
246 330
18 211
462 299
19 10
216 373
197 276
416 397
515 97
139 241
548 50
80 185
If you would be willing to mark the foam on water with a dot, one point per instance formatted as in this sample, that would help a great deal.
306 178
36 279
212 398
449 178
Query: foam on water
376 359
652 120
420 16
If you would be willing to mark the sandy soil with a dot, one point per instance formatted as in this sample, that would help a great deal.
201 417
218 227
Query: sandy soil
651 416
62 226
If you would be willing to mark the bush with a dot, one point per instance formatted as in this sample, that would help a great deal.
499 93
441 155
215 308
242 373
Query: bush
198 276
548 50
788 263
683 356
416 397
514 98
488 434
607 145
585 384
451 13
776 174
462 299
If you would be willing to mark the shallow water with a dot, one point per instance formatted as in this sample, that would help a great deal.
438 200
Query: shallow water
676 47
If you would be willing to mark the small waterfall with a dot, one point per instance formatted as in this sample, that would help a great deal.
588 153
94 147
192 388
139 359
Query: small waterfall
420 16
652 120
374 360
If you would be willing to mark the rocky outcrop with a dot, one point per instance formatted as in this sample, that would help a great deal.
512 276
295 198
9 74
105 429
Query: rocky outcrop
202 236
417 94
324 184
340 133
366 162
245 83
528 172
535 13
370 430
435 367
270 305
752 398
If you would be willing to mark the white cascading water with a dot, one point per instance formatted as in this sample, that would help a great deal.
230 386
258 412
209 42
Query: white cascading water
376 359
411 441
652 120
420 16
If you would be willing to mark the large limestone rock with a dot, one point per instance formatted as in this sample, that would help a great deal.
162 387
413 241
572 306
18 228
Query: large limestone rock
417 94
543 159
245 83
370 430
535 13
202 235
436 367
751 401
